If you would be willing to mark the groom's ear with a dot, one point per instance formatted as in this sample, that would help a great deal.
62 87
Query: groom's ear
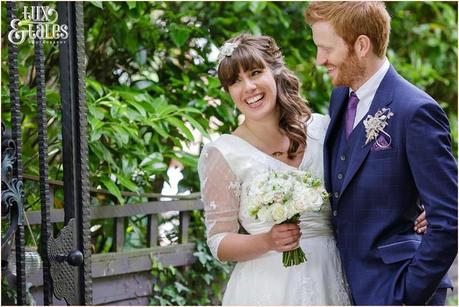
362 46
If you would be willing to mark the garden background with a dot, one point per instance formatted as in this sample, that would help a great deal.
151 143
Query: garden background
153 99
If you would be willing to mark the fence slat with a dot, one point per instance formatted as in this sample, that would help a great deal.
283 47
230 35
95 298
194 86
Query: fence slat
152 230
106 212
184 217
119 234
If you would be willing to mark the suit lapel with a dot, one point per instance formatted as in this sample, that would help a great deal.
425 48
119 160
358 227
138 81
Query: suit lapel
383 98
337 105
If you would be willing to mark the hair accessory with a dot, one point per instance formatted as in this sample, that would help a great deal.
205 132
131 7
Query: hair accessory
226 50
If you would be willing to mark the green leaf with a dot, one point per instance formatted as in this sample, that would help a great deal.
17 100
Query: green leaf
131 4
190 110
138 106
186 158
254 28
196 125
151 158
102 152
126 182
181 288
157 127
179 34
112 188
181 126
213 83
147 137
94 84
121 136
166 110
95 136
240 6
97 4
257 6
134 133
95 111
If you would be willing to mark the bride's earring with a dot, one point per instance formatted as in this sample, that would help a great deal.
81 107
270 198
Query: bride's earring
240 119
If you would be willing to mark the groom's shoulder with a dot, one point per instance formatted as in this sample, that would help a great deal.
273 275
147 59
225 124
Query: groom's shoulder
408 99
410 95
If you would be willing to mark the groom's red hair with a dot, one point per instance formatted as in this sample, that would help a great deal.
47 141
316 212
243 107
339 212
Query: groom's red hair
353 18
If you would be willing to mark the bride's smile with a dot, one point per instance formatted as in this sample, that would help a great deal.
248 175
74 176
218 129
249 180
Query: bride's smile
254 93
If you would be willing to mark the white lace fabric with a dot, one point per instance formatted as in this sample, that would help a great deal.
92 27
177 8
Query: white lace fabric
220 195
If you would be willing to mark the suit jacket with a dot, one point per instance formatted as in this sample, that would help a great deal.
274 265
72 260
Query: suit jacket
385 261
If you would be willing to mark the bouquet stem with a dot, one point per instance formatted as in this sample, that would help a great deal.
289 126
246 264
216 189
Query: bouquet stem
293 257
296 256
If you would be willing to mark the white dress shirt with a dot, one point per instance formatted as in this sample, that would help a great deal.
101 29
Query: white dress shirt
367 91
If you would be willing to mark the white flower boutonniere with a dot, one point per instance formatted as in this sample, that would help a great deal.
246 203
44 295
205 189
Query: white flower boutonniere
376 124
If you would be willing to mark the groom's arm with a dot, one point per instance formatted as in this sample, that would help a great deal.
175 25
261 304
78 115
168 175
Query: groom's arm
434 169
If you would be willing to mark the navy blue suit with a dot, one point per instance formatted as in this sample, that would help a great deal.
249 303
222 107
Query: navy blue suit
376 195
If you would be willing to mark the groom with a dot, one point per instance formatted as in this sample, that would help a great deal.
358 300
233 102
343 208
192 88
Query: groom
387 149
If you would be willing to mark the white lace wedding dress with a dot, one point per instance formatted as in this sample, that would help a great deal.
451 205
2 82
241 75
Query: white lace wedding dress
224 166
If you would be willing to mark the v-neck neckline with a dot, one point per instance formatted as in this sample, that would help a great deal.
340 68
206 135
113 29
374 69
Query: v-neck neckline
266 155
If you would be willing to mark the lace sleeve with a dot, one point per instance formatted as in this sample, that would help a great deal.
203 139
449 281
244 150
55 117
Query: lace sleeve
220 190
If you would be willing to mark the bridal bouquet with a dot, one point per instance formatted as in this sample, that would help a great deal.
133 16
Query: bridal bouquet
281 197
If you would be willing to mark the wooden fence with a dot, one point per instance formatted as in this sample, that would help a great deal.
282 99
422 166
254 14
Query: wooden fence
123 277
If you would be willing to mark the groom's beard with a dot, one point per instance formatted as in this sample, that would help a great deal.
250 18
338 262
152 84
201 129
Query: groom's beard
350 71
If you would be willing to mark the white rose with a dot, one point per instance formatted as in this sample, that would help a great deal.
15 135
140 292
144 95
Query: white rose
298 205
264 214
278 197
291 209
313 199
267 197
279 213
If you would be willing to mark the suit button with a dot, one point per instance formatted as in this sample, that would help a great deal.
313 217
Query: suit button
342 158
335 213
337 231
336 195
340 176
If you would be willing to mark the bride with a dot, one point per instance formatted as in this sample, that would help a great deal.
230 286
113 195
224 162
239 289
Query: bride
280 133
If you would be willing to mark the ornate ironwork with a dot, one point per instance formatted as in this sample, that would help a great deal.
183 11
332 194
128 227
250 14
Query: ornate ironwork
62 272
74 131
17 169
12 189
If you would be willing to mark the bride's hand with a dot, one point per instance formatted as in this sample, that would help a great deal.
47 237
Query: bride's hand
420 225
283 237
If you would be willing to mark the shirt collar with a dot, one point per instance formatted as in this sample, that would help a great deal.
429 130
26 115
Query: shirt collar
368 89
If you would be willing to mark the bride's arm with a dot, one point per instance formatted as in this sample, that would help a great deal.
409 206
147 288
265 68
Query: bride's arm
220 193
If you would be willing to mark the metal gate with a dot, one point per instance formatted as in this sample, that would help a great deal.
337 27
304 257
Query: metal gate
66 258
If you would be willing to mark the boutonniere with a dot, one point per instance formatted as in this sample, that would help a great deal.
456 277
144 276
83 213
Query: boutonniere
376 124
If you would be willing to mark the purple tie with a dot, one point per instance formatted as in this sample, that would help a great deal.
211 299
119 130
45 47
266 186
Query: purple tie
351 109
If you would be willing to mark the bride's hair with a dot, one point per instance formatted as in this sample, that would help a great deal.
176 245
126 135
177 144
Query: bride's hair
257 52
